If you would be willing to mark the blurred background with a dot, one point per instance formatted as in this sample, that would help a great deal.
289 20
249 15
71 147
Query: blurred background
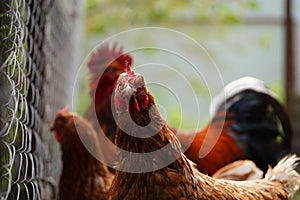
257 38
44 46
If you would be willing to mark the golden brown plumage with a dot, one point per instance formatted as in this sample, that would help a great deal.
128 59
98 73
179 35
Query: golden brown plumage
166 173
240 170
83 175
216 135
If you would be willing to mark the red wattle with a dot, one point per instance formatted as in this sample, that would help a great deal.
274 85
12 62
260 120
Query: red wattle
136 105
145 102
58 137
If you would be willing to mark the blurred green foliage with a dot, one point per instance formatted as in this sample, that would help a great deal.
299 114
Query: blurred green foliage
265 40
278 88
102 16
84 99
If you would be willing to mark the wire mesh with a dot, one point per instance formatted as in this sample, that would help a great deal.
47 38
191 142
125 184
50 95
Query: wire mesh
37 66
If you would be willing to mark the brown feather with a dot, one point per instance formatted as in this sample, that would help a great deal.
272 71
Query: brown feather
239 171
223 152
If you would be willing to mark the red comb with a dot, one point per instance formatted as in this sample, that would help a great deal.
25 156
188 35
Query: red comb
63 110
125 59
105 55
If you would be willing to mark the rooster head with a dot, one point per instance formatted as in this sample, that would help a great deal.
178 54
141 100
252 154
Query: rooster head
108 63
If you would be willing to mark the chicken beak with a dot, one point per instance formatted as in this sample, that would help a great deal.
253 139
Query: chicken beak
128 91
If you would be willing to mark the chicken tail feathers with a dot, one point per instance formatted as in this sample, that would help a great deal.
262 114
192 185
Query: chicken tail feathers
285 173
260 120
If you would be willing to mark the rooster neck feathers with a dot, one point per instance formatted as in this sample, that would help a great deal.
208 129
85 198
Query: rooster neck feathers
106 63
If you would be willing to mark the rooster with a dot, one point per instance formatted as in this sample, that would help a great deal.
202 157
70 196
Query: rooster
105 65
247 122
142 131
83 176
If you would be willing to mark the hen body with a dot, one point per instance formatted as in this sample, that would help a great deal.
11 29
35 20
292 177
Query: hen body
247 122
155 178
83 175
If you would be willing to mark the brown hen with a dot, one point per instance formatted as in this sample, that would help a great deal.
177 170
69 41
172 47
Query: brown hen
152 165
83 175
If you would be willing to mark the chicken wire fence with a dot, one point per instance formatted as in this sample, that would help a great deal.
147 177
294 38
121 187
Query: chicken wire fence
38 62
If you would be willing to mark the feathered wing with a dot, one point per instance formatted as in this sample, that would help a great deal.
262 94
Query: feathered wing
218 147
240 170
255 107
